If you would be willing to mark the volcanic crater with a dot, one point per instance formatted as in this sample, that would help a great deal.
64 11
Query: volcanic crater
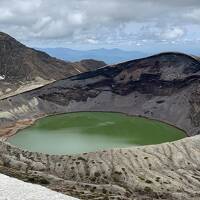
163 87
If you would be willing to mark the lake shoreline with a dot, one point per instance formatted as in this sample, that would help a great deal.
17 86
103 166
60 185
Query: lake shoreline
7 132
27 123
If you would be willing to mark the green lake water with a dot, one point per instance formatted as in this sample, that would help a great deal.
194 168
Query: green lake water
90 131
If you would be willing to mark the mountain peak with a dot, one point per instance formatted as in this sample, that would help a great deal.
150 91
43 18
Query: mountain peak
4 36
8 42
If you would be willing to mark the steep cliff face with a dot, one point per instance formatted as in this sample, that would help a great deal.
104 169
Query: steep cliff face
27 68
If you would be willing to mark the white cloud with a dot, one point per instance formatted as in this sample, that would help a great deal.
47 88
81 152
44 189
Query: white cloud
78 20
172 33
92 41
194 15
5 14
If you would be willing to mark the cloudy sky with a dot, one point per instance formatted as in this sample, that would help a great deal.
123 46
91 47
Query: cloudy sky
145 25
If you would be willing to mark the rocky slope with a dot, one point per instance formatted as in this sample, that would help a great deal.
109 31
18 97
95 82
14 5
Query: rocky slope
90 64
23 68
163 87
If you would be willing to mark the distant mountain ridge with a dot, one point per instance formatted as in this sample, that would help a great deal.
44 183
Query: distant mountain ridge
110 56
